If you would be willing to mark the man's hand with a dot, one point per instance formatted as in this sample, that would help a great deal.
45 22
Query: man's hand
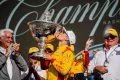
101 69
88 43
16 47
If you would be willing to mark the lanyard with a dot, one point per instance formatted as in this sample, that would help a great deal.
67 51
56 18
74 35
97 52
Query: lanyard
106 57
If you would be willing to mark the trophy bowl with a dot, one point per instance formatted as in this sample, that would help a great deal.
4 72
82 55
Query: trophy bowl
40 29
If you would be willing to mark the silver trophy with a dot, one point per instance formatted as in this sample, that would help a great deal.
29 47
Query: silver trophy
40 29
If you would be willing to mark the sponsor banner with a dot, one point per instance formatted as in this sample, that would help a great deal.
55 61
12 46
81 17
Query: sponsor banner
86 18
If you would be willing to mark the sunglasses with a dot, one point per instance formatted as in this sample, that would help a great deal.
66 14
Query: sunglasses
110 36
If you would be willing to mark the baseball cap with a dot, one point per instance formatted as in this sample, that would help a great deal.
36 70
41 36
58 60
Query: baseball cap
72 37
70 33
33 50
109 32
50 46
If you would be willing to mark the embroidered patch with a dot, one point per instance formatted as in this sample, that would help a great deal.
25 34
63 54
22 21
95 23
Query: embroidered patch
117 52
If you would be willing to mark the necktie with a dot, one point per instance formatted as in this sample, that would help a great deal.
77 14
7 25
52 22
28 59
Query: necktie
9 67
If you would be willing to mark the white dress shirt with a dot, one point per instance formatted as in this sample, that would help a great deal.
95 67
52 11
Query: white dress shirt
113 65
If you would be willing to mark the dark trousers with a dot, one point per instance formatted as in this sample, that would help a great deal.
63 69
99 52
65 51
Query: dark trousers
97 76
79 76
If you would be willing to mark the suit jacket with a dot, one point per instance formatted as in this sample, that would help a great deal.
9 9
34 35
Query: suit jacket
18 65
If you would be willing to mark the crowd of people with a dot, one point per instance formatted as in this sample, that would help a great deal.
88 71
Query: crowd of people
60 64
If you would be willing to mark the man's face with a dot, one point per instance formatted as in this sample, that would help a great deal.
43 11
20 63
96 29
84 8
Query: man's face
33 62
6 40
61 36
111 41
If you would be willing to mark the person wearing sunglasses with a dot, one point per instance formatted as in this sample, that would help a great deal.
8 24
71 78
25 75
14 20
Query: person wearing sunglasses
106 63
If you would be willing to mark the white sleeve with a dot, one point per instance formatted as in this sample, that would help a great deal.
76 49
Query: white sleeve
91 65
42 73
